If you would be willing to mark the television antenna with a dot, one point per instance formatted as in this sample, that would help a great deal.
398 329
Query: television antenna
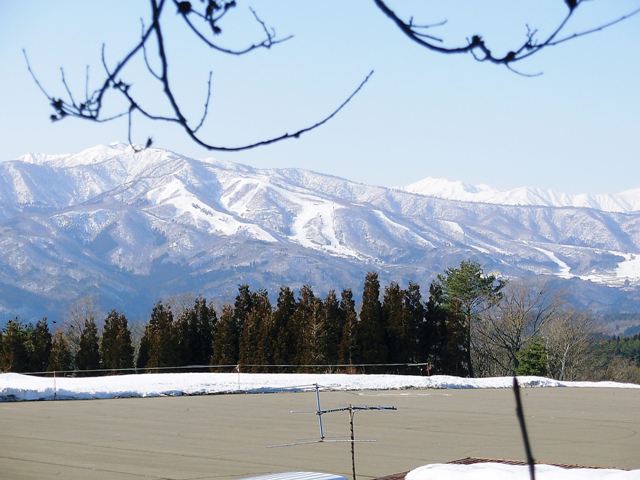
352 409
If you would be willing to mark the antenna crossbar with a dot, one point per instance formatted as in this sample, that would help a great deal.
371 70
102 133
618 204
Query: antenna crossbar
323 439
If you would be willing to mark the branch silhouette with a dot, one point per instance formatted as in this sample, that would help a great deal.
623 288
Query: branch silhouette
203 19
477 46
212 12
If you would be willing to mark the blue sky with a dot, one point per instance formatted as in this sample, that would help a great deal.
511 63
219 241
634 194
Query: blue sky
574 129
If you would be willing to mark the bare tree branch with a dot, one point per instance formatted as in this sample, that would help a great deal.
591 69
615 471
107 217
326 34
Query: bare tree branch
91 108
478 48
206 105
207 18
145 57
268 42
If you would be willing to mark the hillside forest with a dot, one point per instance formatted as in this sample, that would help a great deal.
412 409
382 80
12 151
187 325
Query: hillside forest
469 323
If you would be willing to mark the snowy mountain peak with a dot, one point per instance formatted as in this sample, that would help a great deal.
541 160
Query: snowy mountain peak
627 201
134 226
443 188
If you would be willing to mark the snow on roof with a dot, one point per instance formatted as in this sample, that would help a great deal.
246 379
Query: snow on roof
502 471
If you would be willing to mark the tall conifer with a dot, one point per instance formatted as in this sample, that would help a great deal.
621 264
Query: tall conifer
225 340
371 332
334 326
88 356
14 356
60 358
162 338
415 318
394 320
251 348
116 348
284 340
303 325
40 346
349 348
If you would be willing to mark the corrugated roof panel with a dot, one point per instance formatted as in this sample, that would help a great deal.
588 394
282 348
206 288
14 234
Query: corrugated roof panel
297 476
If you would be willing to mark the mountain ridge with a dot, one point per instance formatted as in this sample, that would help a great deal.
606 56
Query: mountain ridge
134 227
624 202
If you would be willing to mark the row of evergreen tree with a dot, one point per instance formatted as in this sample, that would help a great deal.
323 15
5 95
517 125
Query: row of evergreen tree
306 329
25 347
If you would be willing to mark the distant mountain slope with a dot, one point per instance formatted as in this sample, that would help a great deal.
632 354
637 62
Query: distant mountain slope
628 201
134 227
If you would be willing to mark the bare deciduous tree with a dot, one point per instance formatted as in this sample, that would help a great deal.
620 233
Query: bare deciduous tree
501 332
82 309
568 342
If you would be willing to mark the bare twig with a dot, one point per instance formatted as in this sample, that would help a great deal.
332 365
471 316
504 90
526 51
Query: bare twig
66 87
146 58
206 105
478 48
91 108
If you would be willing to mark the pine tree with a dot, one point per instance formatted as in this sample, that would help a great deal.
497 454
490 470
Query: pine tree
88 356
143 351
316 334
371 334
40 346
162 338
283 339
251 349
440 335
225 340
14 356
116 348
186 344
262 312
467 292
242 306
349 349
194 334
302 325
267 343
334 326
414 313
60 358
202 336
395 324
532 360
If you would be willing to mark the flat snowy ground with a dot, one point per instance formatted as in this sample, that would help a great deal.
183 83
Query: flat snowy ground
16 387
498 471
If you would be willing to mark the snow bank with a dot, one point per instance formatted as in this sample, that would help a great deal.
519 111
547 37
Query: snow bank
16 387
500 471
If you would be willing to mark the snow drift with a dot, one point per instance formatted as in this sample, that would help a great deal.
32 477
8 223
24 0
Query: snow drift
17 387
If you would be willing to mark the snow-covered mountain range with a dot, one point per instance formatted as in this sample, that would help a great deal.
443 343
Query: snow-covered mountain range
131 228
627 201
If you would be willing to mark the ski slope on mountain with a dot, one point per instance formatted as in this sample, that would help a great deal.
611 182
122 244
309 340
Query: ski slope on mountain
132 227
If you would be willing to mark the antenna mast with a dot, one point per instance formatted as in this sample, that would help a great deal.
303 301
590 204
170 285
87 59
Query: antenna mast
352 409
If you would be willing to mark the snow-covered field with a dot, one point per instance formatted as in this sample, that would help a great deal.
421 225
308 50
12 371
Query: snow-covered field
17 387
499 471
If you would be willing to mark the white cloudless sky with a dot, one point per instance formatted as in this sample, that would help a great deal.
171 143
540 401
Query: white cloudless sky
576 128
